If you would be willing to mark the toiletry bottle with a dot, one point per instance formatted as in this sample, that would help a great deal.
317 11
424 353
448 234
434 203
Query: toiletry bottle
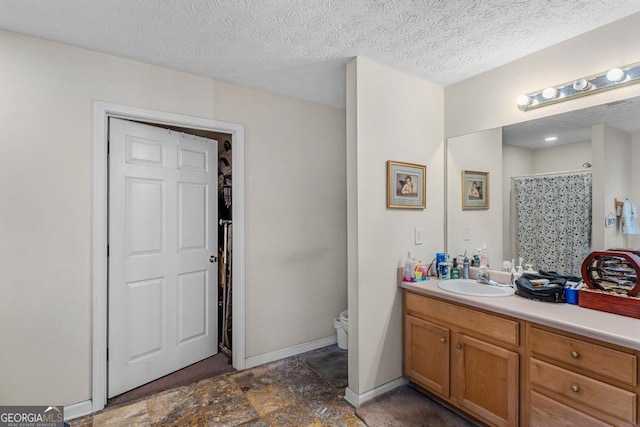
455 271
417 273
443 270
484 255
476 259
440 257
465 268
423 270
450 263
408 268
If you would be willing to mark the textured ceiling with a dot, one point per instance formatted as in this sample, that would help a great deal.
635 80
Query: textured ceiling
299 48
574 126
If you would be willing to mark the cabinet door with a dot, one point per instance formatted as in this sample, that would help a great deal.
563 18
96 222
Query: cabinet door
426 355
486 380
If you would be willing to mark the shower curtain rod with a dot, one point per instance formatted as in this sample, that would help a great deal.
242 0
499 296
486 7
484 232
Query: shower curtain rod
551 174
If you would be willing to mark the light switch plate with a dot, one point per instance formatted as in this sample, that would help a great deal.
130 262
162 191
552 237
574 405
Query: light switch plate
419 236
465 233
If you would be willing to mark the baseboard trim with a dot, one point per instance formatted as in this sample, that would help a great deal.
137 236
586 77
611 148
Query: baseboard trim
78 410
272 356
356 399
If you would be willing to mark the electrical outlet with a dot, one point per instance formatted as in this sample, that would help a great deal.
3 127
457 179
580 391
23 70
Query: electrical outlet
418 236
465 234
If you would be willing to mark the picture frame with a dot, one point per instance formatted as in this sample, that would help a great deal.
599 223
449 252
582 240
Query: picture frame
475 190
406 185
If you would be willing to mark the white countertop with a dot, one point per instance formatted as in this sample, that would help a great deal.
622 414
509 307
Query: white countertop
612 328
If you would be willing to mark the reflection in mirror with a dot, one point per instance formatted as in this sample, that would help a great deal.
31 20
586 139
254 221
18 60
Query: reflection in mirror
559 176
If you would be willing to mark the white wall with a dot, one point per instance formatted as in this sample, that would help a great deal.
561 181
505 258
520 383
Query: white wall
612 180
488 100
45 215
565 157
391 116
296 225
295 208
481 151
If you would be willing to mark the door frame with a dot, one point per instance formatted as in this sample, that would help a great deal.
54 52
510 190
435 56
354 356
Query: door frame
102 111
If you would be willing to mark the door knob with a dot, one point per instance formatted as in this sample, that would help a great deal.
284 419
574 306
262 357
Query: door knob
213 258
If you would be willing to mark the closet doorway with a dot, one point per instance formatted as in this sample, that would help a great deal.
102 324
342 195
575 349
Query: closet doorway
230 251
173 186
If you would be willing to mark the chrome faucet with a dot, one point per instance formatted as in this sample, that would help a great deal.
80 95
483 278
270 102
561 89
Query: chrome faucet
484 277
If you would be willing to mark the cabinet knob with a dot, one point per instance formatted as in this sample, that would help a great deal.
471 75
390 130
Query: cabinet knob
575 388
459 346
443 340
575 354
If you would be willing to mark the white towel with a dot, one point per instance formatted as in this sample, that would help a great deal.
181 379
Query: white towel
630 218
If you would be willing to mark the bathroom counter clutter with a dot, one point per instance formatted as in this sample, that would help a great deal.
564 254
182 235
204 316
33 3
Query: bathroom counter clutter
612 328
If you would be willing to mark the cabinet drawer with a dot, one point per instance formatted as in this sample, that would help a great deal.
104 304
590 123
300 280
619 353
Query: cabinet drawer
495 327
547 412
586 356
583 390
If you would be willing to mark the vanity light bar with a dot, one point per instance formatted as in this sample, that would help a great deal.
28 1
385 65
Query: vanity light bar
606 80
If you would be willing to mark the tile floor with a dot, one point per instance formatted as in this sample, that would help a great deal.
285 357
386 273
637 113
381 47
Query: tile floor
289 392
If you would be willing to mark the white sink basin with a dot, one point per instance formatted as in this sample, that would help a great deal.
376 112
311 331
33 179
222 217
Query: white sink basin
473 288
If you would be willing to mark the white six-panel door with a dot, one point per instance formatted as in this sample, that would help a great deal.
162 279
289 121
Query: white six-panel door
162 248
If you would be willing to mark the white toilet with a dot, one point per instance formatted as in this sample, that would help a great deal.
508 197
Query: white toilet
342 328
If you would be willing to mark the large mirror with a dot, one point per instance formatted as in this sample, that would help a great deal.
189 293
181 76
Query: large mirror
553 187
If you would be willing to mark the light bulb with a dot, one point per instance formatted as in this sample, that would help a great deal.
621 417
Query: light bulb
550 93
582 84
523 101
615 75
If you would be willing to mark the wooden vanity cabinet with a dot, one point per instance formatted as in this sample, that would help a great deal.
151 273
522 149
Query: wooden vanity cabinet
507 372
574 378
467 357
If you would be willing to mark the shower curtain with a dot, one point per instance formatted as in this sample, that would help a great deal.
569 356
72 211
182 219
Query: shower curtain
553 220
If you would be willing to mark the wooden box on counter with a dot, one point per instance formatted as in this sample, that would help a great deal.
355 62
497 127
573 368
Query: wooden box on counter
611 303
612 278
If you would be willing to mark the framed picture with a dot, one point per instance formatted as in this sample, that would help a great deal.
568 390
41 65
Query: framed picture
475 190
406 185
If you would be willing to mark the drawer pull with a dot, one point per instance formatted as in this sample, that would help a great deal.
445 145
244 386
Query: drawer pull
459 346
575 388
575 354
443 340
